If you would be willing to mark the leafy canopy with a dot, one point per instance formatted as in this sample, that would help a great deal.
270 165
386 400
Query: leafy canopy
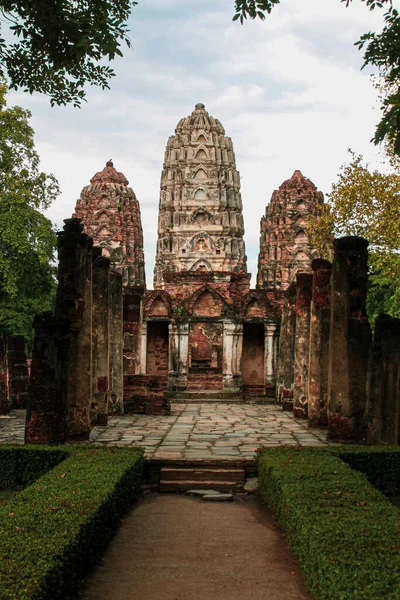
381 50
27 240
58 44
366 203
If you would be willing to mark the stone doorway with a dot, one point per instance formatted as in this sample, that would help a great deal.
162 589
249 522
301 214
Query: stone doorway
253 354
157 348
205 356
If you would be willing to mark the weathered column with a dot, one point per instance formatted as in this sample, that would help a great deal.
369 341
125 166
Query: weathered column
269 351
100 338
237 356
132 319
47 411
285 366
3 379
143 348
319 344
116 346
18 375
350 339
301 345
383 383
229 382
74 302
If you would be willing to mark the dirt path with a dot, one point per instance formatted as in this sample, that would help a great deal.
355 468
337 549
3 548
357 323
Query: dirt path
181 548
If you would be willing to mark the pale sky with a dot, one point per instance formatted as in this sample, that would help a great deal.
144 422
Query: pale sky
289 92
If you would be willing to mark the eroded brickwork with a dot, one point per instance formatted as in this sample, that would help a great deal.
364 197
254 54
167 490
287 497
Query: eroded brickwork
110 214
200 225
285 248
18 374
3 379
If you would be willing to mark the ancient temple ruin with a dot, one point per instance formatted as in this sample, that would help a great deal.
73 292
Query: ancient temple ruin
301 337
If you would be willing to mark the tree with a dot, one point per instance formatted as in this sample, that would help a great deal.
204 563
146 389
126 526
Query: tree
59 44
366 203
27 239
381 50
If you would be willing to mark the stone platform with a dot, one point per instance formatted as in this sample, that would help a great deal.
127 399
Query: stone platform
195 431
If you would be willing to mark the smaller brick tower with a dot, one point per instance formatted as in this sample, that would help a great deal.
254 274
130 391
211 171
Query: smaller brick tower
110 214
285 247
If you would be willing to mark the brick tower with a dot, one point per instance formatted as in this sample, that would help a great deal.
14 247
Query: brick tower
285 247
110 214
200 225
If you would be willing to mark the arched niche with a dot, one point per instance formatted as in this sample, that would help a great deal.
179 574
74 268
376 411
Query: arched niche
158 308
208 305
200 175
255 309
200 194
301 236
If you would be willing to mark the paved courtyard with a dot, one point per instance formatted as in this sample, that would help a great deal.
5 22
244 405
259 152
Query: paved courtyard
204 430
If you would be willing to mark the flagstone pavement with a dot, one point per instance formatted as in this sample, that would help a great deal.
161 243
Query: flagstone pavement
194 431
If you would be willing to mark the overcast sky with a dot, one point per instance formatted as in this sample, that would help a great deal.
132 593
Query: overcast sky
288 91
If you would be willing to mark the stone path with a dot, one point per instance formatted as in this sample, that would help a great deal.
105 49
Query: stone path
179 548
195 431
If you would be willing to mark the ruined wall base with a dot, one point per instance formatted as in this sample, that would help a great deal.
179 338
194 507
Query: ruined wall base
146 394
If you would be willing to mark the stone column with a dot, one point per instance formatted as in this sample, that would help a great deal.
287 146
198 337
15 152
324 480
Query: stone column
132 320
18 375
383 383
47 411
74 302
143 348
180 333
350 339
285 366
237 356
116 347
100 338
319 344
301 345
229 382
3 379
269 353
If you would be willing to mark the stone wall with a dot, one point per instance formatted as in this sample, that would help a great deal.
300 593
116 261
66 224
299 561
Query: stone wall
145 394
4 406
18 374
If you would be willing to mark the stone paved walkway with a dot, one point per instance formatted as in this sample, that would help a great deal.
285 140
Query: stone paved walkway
194 431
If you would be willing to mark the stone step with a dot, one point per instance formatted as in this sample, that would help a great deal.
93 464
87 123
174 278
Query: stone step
203 474
185 485
205 396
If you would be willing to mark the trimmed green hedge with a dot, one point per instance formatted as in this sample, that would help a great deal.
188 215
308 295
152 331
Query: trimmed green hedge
343 532
53 531
381 465
22 465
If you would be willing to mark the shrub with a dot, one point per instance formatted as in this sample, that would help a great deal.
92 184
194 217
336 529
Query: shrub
54 531
343 532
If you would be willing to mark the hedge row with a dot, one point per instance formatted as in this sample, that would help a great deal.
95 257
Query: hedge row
22 465
53 532
343 532
381 465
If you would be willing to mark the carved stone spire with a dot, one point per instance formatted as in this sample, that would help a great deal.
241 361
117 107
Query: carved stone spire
200 224
110 214
285 248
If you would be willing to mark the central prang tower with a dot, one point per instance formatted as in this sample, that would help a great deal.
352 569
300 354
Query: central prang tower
200 223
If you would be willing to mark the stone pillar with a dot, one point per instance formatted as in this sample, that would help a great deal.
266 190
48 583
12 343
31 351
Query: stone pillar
285 366
229 381
269 352
100 338
319 344
74 302
383 383
350 339
179 342
18 375
237 356
143 348
132 320
46 416
301 345
116 347
3 379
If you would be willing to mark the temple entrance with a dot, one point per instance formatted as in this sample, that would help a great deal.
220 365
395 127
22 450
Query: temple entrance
157 348
205 356
253 354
